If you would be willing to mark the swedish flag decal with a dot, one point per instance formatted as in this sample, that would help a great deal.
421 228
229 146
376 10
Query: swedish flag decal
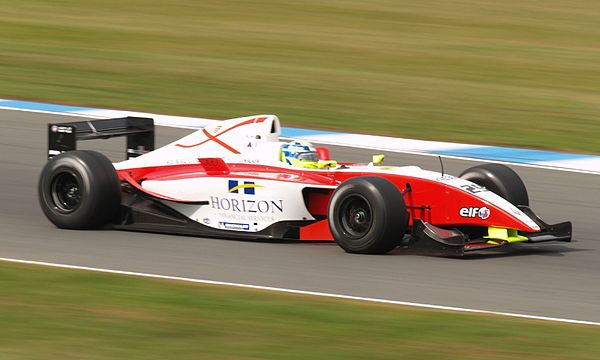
248 186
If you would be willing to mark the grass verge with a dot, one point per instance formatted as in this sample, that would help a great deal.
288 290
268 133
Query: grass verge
48 313
516 72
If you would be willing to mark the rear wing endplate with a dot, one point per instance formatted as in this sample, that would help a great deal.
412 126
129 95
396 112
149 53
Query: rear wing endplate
139 131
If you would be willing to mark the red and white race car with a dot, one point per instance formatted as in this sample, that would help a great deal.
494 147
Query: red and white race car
235 179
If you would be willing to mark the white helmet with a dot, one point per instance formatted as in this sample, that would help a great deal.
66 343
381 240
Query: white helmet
300 153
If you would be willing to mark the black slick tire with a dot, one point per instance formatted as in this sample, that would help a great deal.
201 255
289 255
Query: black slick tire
499 179
367 215
79 190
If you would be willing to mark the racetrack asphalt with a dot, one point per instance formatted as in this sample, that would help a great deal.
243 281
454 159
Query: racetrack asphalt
554 280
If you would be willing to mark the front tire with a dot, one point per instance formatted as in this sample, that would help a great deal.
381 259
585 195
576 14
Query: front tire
499 179
367 215
79 190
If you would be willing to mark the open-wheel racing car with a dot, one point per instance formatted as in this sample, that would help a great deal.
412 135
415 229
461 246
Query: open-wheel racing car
235 179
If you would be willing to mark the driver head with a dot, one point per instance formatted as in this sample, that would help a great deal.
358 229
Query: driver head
300 153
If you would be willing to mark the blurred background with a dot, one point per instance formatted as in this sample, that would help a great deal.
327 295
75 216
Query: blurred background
521 73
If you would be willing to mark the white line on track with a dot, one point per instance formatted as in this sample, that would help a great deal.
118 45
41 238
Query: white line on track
53 112
301 292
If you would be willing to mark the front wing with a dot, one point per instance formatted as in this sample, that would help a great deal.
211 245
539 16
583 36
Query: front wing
431 240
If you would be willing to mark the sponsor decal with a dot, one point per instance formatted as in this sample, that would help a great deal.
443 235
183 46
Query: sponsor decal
472 212
247 206
139 151
234 226
445 178
250 161
61 129
287 177
247 217
473 188
248 187
516 211
180 161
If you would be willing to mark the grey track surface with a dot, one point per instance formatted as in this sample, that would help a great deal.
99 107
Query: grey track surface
556 280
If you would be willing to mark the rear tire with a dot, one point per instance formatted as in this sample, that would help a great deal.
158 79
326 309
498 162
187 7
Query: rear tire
499 179
79 190
367 215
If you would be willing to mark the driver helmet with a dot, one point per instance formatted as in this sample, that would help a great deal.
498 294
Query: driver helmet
300 153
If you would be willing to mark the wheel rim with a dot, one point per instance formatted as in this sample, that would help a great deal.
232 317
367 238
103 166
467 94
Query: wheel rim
356 216
66 192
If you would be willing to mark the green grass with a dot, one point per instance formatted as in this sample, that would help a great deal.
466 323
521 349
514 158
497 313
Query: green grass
515 72
48 313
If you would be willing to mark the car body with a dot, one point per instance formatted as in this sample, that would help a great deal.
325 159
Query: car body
228 180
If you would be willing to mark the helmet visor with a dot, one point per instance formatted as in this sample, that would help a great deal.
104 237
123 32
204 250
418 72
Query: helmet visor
308 156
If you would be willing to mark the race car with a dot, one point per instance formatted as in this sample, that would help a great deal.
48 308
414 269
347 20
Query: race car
235 179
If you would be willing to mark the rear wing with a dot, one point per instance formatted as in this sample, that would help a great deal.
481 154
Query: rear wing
139 131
